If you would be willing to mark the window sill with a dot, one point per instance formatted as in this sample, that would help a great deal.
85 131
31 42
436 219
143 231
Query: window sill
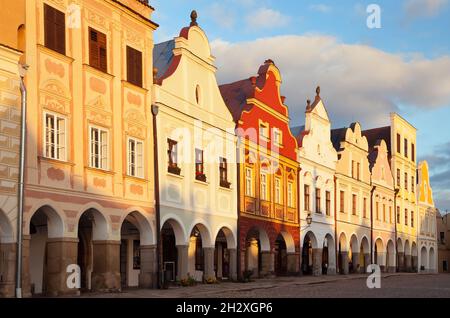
98 170
205 183
226 189
56 54
134 86
55 161
98 71
138 179
173 175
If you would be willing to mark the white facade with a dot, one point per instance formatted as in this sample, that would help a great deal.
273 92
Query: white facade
193 115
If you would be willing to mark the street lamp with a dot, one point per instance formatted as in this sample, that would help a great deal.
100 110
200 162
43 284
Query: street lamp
308 221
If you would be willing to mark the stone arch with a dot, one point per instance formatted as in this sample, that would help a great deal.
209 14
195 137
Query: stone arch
229 235
289 240
311 237
204 232
264 240
390 253
432 260
6 229
379 253
100 225
365 245
423 259
407 248
329 255
354 265
414 257
55 221
143 224
400 246
178 230
343 242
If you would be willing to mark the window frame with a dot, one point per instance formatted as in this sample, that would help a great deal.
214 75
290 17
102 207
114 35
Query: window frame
318 201
264 188
136 167
101 157
100 46
55 116
249 191
57 36
307 198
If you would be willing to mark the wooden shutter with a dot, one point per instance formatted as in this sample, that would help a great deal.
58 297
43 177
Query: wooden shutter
60 30
130 64
138 68
94 60
103 56
49 17
54 29
134 66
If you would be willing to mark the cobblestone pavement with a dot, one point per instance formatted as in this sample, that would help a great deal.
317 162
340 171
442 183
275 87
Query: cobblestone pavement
392 286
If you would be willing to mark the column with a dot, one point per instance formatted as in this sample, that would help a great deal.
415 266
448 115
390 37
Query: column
408 265
148 277
7 269
182 264
267 266
382 261
26 280
233 264
106 269
209 273
293 263
401 261
367 262
344 263
317 261
415 261
61 252
220 252
355 262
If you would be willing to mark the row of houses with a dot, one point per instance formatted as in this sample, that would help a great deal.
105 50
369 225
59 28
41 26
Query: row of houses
141 170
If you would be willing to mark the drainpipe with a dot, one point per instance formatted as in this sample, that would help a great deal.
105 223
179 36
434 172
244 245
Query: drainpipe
300 261
371 223
335 227
397 190
238 206
159 250
23 133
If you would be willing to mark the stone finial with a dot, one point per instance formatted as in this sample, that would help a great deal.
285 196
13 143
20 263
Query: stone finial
194 17
318 91
308 105
155 73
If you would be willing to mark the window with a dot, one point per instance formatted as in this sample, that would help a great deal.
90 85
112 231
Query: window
398 178
406 181
412 184
358 169
264 130
384 213
278 191
277 137
399 146
264 188
97 50
318 201
406 217
353 169
54 29
405 145
390 214
442 237
172 155
413 152
55 137
377 211
135 158
412 218
248 182
342 201
99 148
398 215
307 206
290 194
134 66
223 172
199 166
365 208
354 204
444 266
328 203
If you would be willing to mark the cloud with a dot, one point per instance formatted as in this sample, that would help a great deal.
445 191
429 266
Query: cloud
323 8
222 14
265 18
423 8
358 82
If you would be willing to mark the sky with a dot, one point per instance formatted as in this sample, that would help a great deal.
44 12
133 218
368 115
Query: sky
364 73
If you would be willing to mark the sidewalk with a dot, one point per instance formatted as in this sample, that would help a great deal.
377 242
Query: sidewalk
203 290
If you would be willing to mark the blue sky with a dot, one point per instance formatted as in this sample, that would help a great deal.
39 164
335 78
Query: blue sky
365 73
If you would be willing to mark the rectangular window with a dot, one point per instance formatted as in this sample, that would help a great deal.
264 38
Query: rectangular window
377 211
290 194
405 145
365 208
399 146
406 217
406 181
358 171
412 185
328 203
199 166
264 130
342 201
223 173
99 148
264 187
390 214
249 182
442 237
412 218
354 204
278 191
398 178
172 155
54 29
384 213
398 215
318 201
134 66
55 137
97 50
306 194
353 169
277 137
135 158
413 152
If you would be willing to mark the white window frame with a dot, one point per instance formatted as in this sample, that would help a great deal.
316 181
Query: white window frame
264 129
60 151
249 182
290 196
138 162
277 136
278 194
264 187
102 157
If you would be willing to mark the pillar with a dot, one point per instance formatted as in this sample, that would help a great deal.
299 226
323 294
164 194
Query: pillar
317 261
415 261
148 276
267 263
7 269
61 252
106 269
401 261
26 279
344 263
209 273
382 261
367 262
293 263
220 252
408 265
233 264
355 263
182 264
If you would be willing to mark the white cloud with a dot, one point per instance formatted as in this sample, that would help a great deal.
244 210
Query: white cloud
359 83
423 8
222 15
265 18
323 8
